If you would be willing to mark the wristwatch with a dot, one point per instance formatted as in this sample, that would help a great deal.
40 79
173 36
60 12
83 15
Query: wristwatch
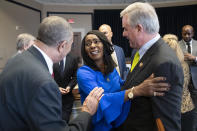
130 94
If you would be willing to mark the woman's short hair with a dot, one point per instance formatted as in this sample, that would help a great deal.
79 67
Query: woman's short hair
107 51
172 41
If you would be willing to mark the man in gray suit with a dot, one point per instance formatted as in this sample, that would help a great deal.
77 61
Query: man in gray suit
189 48
30 99
118 54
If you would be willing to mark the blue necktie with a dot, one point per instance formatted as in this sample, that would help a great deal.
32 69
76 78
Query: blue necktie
61 67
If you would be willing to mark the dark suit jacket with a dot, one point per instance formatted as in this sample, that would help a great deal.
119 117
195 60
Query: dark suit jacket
161 60
193 65
30 99
121 61
68 78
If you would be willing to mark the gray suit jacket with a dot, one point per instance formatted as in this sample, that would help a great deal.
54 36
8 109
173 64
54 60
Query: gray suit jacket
161 60
193 65
30 99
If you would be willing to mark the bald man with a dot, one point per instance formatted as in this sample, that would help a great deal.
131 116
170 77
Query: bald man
189 48
118 54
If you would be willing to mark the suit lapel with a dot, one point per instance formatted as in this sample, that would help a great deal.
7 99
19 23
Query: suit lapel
142 63
38 55
194 47
117 54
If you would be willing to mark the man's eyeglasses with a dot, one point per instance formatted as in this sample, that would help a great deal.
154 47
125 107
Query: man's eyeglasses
89 42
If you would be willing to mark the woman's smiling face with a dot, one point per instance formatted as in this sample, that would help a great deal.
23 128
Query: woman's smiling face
94 47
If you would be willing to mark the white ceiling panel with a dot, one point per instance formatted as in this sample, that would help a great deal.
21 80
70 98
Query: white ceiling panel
98 1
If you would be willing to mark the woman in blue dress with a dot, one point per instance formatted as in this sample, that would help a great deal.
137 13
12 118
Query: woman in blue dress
99 71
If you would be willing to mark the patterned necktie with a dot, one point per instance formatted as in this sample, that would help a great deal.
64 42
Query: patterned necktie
188 47
135 60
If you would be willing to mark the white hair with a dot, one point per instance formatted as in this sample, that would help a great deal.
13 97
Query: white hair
23 40
53 30
144 14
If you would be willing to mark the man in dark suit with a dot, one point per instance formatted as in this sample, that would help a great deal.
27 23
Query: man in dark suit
65 76
118 54
189 48
141 27
30 99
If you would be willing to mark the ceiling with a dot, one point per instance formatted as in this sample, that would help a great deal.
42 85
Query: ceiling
95 2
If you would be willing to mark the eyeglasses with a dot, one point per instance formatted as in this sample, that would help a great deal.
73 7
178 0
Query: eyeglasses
89 42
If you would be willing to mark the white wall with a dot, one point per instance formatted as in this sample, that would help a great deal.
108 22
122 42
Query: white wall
11 17
82 22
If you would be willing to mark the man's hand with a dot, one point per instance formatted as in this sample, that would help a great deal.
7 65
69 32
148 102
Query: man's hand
64 91
152 86
189 57
67 89
90 104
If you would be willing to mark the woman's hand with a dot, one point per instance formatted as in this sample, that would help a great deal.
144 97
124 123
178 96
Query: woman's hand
152 86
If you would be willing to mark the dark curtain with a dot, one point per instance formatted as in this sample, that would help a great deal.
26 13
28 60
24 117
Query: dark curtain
112 18
171 21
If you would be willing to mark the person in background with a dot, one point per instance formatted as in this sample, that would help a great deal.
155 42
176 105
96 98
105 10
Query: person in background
187 105
30 99
24 41
65 75
99 71
141 26
118 53
189 48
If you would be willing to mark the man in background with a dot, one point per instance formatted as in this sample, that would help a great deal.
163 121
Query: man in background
118 54
24 41
65 76
189 48
30 99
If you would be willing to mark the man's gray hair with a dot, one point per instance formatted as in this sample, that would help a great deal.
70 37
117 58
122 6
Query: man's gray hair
144 14
23 40
54 30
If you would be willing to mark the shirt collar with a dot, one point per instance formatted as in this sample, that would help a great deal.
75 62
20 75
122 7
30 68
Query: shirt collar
188 42
47 59
147 45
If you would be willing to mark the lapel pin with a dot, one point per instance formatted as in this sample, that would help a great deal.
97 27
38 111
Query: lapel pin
141 64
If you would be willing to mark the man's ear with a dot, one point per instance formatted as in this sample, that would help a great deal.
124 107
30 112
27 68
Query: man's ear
139 28
61 46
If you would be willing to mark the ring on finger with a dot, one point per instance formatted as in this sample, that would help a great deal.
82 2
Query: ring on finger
154 93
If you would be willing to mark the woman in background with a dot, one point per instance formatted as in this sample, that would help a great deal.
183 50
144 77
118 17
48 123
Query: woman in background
99 71
187 105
